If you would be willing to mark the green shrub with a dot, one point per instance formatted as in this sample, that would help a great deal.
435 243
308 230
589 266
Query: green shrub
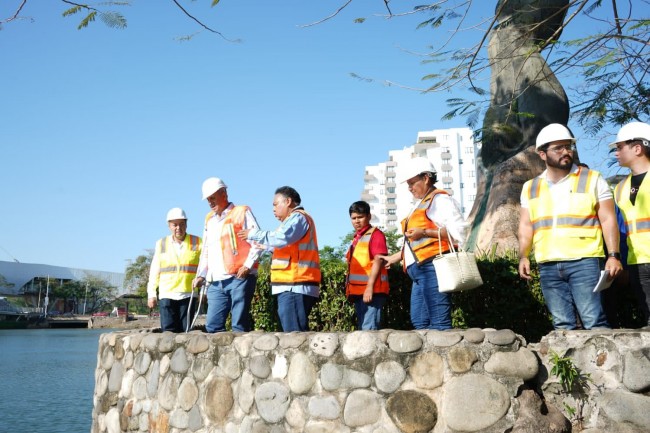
505 301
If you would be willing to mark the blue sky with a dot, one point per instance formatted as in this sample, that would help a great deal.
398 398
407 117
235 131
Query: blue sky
104 130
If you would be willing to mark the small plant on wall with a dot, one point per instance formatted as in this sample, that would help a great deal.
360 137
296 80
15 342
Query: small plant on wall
574 383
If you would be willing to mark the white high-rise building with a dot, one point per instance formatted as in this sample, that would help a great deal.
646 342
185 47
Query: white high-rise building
453 153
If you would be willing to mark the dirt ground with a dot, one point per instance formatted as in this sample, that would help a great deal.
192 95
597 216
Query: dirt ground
134 322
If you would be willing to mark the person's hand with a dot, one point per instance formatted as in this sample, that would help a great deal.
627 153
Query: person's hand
243 272
198 282
367 295
389 260
151 302
614 266
243 234
524 268
415 233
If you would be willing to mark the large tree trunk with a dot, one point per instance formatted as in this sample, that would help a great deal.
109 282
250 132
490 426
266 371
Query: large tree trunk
525 96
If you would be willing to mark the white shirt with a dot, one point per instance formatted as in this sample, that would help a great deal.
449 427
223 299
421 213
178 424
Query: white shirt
211 266
445 212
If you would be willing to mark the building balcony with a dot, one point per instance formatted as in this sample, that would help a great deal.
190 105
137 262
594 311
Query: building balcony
445 155
447 179
391 217
391 164
368 196
391 206
390 184
422 147
369 176
391 195
446 167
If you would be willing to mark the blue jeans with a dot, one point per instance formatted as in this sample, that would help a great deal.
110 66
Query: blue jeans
571 283
174 314
430 309
231 295
293 310
369 315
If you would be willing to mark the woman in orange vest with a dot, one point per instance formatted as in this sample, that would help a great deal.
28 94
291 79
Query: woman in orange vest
425 236
367 280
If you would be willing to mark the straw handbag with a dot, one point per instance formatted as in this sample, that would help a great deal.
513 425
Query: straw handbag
456 270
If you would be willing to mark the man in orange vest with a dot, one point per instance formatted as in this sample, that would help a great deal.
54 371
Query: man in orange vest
566 213
367 280
295 266
228 264
632 150
172 270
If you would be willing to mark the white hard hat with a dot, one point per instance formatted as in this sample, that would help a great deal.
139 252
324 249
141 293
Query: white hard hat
551 133
212 185
176 213
412 167
633 131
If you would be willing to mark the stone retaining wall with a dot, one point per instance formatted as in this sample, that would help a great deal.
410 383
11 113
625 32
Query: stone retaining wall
376 382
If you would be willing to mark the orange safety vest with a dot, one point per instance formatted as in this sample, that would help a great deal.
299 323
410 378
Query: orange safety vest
298 263
425 248
574 235
637 219
176 273
360 266
235 250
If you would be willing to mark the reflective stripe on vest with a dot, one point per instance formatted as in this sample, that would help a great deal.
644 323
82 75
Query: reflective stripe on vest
637 219
572 235
424 248
298 263
360 267
176 273
235 251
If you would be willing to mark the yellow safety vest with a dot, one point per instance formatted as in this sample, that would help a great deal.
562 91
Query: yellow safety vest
360 266
235 250
574 235
637 219
176 273
299 262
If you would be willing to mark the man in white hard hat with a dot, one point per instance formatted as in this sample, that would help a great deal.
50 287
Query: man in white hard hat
172 271
228 267
632 150
566 212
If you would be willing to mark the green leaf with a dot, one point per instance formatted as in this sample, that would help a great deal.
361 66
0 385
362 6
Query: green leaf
84 23
71 11
359 20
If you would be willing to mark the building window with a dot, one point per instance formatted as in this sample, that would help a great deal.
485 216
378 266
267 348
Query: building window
391 211
472 197
390 200
391 190
390 223
471 174
381 191
446 185
469 150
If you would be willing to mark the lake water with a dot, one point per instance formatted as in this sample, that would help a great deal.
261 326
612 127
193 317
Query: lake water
47 379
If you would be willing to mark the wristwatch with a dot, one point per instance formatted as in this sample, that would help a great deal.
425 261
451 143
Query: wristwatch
617 256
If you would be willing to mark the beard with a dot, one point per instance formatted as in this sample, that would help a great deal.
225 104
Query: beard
564 162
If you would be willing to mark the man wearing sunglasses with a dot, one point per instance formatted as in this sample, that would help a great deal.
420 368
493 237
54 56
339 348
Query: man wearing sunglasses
632 150
566 213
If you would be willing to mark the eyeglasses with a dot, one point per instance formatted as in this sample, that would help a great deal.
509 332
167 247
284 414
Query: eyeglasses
562 147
